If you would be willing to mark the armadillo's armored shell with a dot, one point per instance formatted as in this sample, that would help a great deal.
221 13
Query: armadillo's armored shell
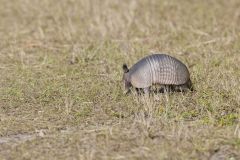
158 69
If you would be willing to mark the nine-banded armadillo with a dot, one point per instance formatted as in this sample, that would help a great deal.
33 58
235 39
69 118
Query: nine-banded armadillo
157 69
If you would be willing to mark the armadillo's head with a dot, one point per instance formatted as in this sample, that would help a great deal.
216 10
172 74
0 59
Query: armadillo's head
126 79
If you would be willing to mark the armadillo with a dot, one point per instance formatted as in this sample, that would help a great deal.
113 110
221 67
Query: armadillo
157 69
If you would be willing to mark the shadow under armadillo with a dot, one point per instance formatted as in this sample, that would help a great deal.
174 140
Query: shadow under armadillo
163 89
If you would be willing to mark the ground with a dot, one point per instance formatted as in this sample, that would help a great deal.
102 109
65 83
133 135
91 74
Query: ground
61 93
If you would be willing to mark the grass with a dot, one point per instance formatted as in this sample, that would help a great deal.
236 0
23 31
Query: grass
60 76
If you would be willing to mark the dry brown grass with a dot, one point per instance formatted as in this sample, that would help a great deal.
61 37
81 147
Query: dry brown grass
60 76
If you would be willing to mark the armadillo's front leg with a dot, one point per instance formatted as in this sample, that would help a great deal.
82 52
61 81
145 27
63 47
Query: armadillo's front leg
146 90
138 90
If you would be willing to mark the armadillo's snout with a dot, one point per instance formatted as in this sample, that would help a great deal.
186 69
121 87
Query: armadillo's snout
126 87
126 91
126 83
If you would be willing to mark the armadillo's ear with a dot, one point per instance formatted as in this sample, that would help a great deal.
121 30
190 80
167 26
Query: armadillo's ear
125 68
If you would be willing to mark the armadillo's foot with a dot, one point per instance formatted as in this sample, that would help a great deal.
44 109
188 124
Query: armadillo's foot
182 88
141 91
185 87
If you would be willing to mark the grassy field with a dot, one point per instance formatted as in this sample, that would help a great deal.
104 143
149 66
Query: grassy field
61 93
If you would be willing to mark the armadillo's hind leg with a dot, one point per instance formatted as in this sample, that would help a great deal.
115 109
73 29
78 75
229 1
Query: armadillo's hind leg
182 88
185 87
